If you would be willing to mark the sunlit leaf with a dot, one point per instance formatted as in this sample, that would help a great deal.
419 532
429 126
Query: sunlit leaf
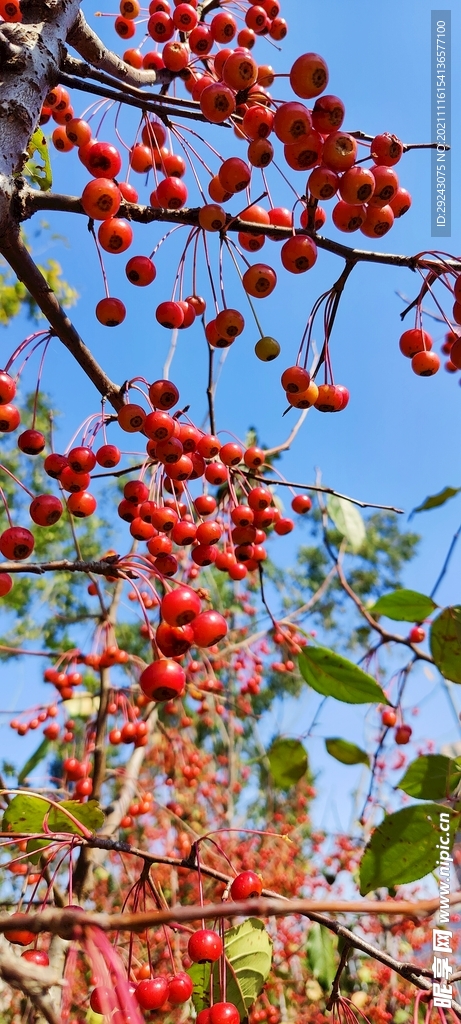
445 643
404 605
347 520
248 951
435 500
321 955
334 676
288 762
404 847
430 777
347 753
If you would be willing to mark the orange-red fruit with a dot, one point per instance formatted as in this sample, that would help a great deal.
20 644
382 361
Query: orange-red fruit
292 122
413 341
328 114
234 174
348 218
425 364
110 312
295 380
386 149
309 76
101 198
357 186
298 254
162 680
240 71
217 102
323 183
259 280
339 151
378 221
306 153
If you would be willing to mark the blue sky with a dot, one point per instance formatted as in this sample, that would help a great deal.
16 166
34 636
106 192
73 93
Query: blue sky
398 439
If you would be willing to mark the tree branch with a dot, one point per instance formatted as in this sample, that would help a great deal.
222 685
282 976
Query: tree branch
386 636
14 251
32 981
83 39
103 568
71 924
323 490
32 200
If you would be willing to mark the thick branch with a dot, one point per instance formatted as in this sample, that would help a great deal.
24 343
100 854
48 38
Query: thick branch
32 981
14 251
32 201
156 104
82 38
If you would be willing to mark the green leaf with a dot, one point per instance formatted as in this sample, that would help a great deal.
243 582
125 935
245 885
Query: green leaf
288 762
41 175
445 643
34 759
434 500
321 955
404 605
430 777
334 676
346 752
249 954
347 520
404 846
26 813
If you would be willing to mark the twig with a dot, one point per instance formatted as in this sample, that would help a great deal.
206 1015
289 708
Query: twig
446 563
324 490
337 978
14 251
386 636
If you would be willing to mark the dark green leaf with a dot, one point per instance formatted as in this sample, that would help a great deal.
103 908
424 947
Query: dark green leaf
249 954
334 676
430 777
34 759
347 520
434 500
321 955
347 753
445 643
288 762
404 847
404 605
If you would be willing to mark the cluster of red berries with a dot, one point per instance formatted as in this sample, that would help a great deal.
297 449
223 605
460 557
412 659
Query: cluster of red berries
302 392
416 344
166 24
233 87
402 733
205 946
39 716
